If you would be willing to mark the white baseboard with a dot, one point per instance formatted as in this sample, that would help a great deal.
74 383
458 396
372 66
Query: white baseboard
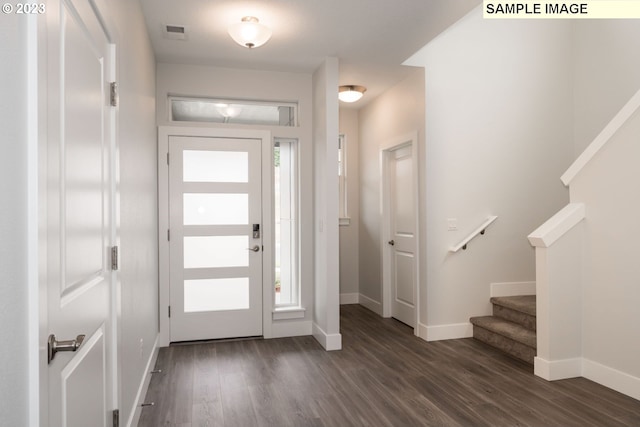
445 332
291 328
349 298
371 304
557 369
330 342
612 378
596 372
510 289
134 415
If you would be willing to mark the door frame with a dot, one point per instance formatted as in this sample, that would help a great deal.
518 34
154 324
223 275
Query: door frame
164 132
410 139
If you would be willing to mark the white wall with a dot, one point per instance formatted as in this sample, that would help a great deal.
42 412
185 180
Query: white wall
608 186
14 400
607 68
398 111
349 259
326 321
498 137
206 81
607 73
138 200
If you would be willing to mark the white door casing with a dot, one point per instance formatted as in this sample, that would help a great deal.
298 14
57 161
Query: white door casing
400 230
216 243
79 387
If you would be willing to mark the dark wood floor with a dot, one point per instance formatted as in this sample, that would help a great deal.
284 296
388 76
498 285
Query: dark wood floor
384 376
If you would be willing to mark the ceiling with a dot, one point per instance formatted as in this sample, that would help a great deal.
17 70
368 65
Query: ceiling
371 38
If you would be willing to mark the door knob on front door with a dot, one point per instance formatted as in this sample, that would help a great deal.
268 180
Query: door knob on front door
256 248
392 243
55 346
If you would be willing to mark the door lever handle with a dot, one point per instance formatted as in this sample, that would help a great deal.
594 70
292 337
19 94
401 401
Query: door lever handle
54 346
256 248
391 242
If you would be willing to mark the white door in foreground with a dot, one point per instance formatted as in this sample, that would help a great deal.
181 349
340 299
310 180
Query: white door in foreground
80 226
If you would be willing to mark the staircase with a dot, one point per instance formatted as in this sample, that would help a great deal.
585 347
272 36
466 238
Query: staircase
512 328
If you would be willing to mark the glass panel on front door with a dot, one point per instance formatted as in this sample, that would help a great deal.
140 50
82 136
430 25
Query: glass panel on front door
205 209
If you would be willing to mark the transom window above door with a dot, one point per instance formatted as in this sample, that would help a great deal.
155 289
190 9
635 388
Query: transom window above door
218 110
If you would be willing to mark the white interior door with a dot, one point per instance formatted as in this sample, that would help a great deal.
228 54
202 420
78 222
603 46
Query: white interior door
79 220
215 245
403 239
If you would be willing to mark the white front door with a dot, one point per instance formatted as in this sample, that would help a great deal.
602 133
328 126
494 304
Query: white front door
80 225
215 245
403 235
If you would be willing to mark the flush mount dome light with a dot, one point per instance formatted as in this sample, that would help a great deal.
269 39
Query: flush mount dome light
351 93
250 32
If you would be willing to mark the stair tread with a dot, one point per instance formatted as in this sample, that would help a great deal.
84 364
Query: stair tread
507 329
522 303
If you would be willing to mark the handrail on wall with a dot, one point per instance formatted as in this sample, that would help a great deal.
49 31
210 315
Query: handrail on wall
480 230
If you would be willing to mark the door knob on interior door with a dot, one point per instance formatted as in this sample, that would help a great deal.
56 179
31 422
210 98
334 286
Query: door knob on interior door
256 248
392 243
54 346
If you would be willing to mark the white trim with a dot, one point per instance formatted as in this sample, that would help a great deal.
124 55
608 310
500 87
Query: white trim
557 369
134 414
594 371
556 226
423 331
605 135
612 378
371 304
330 342
446 332
291 329
349 298
410 139
285 313
510 289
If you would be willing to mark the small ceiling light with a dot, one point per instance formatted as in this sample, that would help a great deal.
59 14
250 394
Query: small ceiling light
351 93
250 32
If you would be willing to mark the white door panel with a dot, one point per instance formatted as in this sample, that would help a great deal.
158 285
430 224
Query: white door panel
214 200
402 226
80 226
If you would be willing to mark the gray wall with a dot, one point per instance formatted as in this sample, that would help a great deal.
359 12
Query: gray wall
14 398
397 112
498 137
349 260
607 75
138 199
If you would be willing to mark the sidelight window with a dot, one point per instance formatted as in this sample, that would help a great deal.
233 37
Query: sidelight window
287 287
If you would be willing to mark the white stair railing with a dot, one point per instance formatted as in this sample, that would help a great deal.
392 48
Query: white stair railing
480 230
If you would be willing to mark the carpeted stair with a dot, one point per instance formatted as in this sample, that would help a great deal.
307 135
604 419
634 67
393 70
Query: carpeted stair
512 328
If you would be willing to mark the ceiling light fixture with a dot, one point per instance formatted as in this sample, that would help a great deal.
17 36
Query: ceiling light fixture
351 93
250 32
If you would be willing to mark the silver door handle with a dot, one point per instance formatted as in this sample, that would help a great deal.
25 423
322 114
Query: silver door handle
55 346
256 248
391 242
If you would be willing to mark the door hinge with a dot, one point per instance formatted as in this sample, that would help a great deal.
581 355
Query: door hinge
167 159
168 235
113 94
114 258
169 311
116 418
